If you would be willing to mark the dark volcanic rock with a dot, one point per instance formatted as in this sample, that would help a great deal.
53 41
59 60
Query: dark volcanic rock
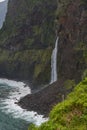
72 30
43 100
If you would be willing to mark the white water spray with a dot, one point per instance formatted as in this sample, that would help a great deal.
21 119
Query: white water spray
54 63
9 105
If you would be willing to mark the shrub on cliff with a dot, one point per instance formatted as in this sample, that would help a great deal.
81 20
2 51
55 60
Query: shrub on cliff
70 114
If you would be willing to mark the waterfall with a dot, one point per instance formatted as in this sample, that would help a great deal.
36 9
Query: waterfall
3 11
54 63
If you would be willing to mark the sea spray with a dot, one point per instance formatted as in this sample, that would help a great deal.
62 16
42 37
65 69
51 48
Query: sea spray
54 63
9 106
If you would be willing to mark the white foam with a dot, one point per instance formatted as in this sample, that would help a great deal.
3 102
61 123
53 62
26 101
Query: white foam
10 107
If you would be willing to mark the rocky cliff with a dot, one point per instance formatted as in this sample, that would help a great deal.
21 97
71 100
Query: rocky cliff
26 40
28 36
26 43
71 26
71 23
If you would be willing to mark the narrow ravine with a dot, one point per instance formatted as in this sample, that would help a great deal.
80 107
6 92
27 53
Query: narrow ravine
54 63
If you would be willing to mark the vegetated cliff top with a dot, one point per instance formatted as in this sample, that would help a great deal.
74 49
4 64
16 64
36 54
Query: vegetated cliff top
71 114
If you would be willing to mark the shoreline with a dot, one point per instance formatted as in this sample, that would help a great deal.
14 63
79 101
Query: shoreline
44 100
16 91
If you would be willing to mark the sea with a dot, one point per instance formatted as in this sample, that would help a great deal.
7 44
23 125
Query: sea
12 116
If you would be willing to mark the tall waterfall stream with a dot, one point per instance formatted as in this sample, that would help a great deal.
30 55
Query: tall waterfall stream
54 62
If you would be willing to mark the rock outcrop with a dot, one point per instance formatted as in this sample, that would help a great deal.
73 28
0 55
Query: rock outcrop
72 29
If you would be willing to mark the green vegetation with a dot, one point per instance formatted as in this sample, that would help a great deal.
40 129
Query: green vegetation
69 84
32 24
33 64
26 40
70 114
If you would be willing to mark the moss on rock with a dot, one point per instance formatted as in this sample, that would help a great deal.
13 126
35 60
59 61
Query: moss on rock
26 40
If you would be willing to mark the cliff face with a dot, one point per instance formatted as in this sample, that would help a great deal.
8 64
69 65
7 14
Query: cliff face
28 36
71 26
26 40
71 23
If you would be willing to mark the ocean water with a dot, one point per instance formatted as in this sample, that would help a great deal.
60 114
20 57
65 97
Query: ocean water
12 116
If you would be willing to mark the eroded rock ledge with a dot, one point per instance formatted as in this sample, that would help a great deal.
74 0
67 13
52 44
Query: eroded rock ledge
43 101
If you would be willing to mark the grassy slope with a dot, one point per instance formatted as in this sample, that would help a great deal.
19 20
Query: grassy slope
71 114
